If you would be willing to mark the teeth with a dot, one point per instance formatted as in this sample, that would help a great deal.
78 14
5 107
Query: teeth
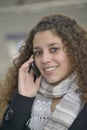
50 69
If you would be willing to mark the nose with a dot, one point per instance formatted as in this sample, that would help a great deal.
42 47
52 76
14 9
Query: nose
46 57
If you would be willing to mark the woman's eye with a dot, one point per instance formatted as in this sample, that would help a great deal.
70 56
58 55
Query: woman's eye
37 53
54 49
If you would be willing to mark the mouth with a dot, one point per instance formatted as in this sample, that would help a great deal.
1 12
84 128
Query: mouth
50 69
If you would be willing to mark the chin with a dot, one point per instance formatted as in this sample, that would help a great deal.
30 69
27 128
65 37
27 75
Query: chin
52 81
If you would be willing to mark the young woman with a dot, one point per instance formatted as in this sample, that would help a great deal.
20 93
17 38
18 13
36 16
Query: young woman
56 98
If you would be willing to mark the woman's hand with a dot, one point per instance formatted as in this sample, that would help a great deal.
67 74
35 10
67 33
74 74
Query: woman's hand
26 84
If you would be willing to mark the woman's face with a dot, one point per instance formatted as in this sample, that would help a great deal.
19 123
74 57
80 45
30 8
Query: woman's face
50 57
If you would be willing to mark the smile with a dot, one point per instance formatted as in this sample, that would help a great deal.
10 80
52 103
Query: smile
50 68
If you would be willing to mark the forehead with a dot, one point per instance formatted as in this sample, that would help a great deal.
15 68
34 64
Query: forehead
46 37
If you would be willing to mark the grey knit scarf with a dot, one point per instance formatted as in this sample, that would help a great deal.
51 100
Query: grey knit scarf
42 118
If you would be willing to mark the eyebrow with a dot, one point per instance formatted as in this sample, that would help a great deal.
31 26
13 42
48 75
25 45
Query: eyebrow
52 44
49 45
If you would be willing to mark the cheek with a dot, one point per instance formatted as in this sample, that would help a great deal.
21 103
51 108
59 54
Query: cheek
64 62
64 59
67 66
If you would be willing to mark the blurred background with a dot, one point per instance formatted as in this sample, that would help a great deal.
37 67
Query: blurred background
17 17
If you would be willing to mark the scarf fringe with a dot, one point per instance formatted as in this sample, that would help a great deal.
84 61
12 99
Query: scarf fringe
38 122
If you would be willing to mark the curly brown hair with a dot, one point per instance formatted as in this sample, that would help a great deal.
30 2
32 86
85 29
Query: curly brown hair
74 38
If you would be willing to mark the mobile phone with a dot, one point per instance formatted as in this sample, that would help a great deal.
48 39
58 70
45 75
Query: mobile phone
35 69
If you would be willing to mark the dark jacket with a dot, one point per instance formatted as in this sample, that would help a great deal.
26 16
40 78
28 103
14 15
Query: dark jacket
19 111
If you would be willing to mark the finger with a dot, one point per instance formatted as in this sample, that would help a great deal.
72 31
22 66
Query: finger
27 63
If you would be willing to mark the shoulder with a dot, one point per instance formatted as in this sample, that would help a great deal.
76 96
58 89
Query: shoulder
80 122
17 113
